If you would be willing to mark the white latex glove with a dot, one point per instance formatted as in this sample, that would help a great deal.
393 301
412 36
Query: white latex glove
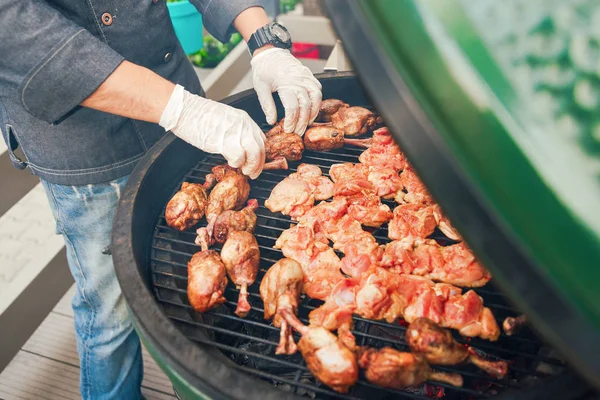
216 128
300 92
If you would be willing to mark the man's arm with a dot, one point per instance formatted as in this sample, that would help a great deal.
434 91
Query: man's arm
134 92
54 62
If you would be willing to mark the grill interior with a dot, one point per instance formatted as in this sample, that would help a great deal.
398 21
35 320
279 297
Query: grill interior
250 342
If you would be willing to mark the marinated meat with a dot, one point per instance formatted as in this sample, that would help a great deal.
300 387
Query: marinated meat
287 145
512 325
385 295
241 257
296 194
326 356
326 138
280 289
231 221
206 279
439 348
229 194
453 264
187 207
414 191
412 222
384 152
328 108
368 210
355 121
394 369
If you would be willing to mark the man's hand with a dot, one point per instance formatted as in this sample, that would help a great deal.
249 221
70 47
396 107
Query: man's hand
216 128
278 70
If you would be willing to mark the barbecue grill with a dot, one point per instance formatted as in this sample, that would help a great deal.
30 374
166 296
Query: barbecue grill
219 355
417 65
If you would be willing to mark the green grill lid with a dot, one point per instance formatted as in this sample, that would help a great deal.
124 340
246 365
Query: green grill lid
497 104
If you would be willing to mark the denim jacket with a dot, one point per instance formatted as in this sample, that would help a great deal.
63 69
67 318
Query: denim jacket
55 53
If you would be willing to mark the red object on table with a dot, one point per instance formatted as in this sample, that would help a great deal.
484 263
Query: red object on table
305 50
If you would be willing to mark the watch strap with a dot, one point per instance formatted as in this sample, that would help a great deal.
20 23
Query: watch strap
258 39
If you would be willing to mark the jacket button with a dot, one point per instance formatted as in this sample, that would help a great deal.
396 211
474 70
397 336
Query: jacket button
168 57
107 19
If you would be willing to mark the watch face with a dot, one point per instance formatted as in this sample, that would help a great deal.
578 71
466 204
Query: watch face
280 33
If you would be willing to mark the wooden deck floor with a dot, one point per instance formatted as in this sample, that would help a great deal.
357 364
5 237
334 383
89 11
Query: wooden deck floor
47 366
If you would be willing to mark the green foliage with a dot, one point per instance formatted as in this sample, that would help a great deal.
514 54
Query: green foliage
213 51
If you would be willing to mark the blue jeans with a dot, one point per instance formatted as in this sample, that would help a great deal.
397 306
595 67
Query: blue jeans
109 348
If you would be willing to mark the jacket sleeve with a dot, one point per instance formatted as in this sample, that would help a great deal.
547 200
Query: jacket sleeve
55 63
218 15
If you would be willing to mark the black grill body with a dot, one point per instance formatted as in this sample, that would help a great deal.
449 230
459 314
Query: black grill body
223 356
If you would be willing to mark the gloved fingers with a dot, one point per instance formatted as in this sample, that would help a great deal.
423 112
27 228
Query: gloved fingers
315 103
255 154
265 98
304 109
289 100
233 151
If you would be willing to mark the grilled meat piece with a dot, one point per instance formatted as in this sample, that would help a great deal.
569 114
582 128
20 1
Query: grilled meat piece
383 152
355 121
512 325
327 358
439 348
412 222
453 264
320 264
187 207
368 210
394 369
232 221
287 145
416 192
336 313
381 294
206 279
229 194
241 257
296 194
326 137
280 289
328 108
281 144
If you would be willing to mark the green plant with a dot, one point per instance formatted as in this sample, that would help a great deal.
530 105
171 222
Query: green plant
286 6
213 51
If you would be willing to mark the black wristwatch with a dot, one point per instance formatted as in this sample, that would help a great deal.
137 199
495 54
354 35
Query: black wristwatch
272 33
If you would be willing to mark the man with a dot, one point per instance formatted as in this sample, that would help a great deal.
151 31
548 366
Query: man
86 87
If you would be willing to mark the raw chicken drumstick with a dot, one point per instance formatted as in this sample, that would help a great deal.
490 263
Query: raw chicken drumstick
241 257
280 289
394 369
326 356
355 121
325 138
231 221
439 347
187 207
206 279
328 108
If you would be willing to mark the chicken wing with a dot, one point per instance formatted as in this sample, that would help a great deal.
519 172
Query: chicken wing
187 207
438 347
241 257
280 289
326 138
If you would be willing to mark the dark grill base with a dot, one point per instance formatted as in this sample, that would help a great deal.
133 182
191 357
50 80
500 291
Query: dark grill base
250 342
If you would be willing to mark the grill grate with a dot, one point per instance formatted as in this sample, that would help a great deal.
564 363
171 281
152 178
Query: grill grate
250 342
